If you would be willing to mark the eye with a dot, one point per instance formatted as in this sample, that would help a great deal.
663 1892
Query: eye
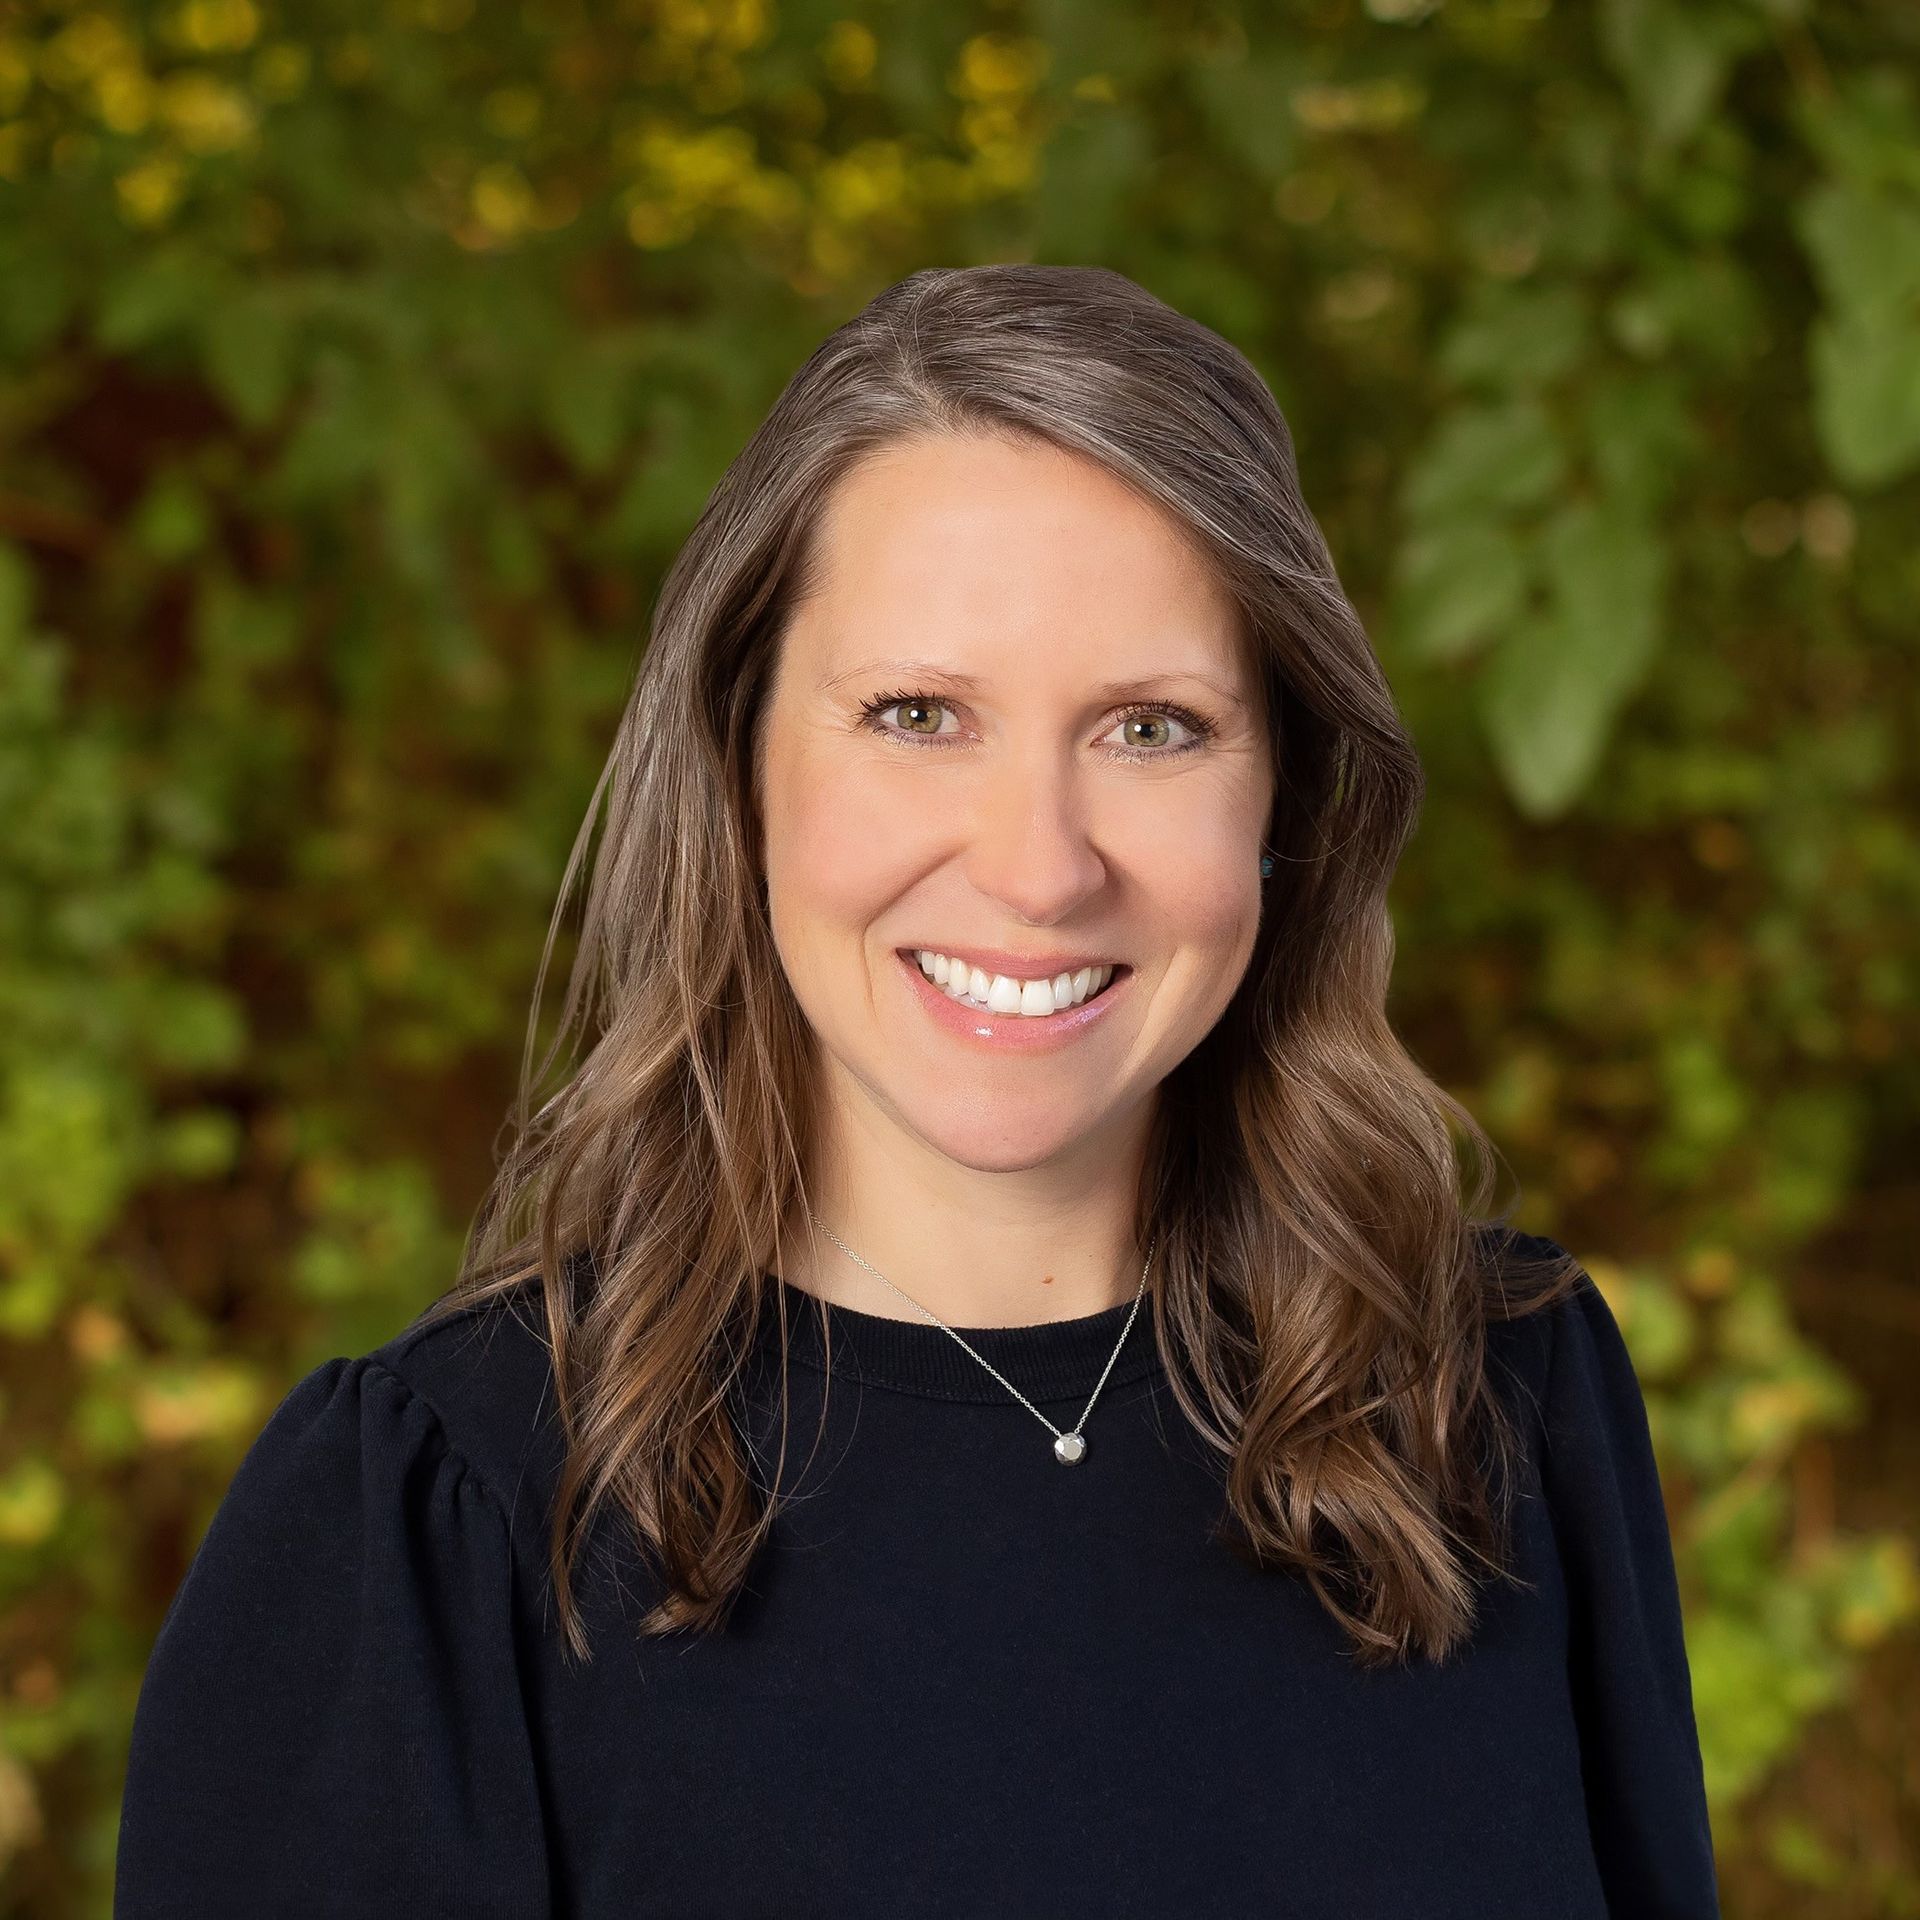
921 715
1149 717
1156 715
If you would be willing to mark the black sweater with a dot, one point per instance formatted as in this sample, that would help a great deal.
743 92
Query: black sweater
965 1679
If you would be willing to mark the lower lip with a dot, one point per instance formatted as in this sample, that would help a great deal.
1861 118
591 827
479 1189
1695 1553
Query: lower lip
1012 1032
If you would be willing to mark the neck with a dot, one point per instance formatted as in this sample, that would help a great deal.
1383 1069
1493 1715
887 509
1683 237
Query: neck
982 1291
975 1245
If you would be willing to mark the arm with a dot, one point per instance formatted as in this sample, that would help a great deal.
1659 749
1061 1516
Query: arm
1632 1689
331 1721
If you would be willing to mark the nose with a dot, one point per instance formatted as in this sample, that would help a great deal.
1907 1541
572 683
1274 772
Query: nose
1030 848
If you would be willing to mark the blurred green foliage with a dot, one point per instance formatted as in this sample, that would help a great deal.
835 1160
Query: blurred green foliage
364 366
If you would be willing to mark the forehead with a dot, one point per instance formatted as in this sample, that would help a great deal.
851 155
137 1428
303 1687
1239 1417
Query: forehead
1004 556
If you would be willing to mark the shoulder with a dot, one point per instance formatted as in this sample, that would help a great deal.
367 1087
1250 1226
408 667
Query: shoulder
1581 1400
404 1462
331 1700
482 1377
1527 1289
450 1409
1549 1327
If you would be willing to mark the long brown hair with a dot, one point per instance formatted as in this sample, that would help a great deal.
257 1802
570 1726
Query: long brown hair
1320 1285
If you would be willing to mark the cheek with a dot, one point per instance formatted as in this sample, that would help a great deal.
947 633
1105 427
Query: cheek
1213 906
1200 886
839 848
1197 857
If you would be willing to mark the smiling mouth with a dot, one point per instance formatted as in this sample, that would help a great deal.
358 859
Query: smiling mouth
1004 994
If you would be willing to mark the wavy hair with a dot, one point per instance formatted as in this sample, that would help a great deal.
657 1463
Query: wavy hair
1321 1287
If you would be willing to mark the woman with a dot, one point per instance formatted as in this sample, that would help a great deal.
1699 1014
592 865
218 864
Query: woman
982 1394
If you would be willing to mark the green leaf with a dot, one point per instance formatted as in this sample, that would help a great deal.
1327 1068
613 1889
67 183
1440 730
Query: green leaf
198 1028
1542 723
33 1494
1865 248
1866 126
1484 460
1085 37
1091 167
1640 436
247 347
39 289
172 520
338 439
16 592
1549 694
160 294
1660 1329
1866 396
1246 99
1674 56
1607 566
1458 587
587 402
198 1144
1800 1851
432 460
690 440
1517 337
238 628
513 549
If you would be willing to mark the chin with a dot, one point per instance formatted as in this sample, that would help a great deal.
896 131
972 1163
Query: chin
987 1140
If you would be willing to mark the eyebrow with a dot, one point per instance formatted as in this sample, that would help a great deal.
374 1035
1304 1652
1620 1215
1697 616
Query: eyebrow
1108 690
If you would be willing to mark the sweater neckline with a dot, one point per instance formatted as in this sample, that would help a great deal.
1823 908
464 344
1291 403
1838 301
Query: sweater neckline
1051 1360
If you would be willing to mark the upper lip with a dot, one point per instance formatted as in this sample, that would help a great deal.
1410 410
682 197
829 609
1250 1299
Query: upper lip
1016 966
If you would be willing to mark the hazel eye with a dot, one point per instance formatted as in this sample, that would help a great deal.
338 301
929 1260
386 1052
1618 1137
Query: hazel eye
921 716
1148 721
1199 732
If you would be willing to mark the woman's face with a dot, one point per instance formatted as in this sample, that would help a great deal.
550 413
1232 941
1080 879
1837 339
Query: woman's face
1013 729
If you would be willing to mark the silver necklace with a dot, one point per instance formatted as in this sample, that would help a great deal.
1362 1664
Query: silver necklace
1068 1448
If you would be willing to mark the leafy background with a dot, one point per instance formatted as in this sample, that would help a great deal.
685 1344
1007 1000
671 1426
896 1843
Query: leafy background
363 367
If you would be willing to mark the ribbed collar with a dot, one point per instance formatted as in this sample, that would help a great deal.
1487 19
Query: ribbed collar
1055 1360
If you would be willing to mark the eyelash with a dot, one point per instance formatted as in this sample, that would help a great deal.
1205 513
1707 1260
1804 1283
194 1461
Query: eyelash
1202 728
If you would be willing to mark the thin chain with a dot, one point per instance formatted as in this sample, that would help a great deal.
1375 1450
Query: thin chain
988 1364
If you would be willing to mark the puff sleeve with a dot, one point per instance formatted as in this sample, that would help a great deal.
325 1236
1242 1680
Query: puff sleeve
331 1720
1630 1683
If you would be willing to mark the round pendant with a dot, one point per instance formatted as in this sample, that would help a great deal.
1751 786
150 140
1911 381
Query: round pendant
1069 1448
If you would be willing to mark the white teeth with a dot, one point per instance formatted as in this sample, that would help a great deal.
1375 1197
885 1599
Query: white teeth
1000 993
